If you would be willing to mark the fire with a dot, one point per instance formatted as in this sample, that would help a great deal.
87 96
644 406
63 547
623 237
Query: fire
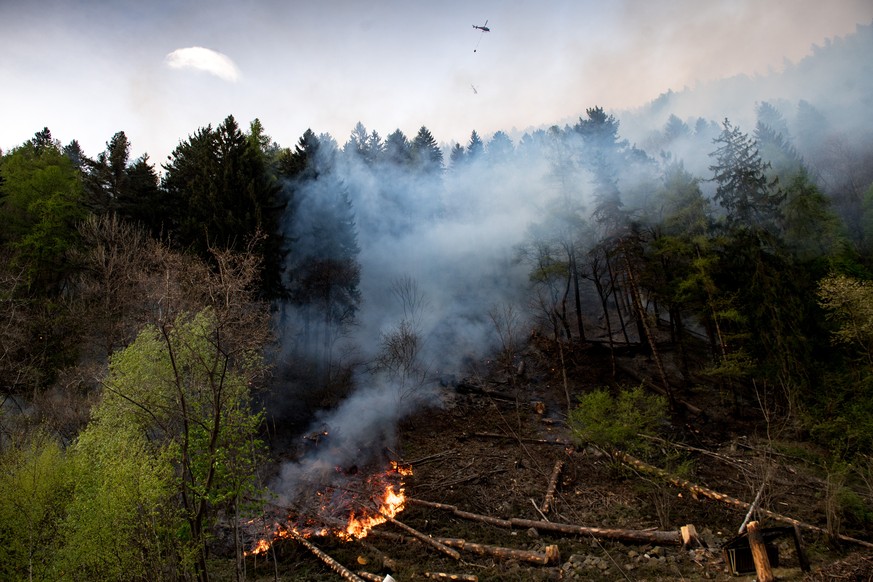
377 498
400 469
390 505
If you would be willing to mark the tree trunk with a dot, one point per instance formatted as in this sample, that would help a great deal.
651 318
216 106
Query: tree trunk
647 328
616 295
577 297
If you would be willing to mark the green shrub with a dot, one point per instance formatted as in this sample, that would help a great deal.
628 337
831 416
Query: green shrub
618 422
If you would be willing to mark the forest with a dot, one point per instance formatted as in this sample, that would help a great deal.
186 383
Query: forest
169 333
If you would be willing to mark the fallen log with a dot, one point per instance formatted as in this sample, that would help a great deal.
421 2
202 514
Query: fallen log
494 435
444 576
553 484
624 535
333 564
712 494
370 577
551 556
496 521
425 538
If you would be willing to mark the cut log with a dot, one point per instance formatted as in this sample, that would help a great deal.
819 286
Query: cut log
425 538
623 535
551 556
444 576
712 494
333 564
370 577
759 553
553 484
690 539
494 435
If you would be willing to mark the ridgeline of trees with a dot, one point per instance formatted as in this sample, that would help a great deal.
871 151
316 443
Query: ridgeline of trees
138 307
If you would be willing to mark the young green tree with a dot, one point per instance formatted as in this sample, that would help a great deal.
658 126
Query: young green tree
618 422
183 386
122 517
35 486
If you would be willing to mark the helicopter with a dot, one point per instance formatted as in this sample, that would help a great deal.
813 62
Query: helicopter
484 28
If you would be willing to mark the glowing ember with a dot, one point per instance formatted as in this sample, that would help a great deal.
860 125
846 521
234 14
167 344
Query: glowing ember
400 469
370 502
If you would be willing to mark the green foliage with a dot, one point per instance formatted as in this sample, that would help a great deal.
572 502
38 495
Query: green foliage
35 485
743 189
224 194
40 205
842 416
849 303
182 389
810 229
616 422
122 510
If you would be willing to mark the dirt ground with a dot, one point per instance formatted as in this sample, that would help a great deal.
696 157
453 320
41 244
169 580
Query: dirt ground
491 448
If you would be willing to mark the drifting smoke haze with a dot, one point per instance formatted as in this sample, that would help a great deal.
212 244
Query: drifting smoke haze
454 237
836 79
457 235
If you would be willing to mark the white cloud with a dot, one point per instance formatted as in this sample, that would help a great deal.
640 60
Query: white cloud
204 59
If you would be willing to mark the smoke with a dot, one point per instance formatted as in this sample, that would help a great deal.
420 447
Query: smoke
455 236
437 254
344 440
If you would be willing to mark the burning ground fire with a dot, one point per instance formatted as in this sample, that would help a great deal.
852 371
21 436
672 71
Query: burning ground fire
348 511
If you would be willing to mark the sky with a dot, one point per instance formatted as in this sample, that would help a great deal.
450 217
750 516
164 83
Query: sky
159 70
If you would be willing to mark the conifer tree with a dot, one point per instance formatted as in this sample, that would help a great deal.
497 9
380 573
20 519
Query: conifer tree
742 186
426 154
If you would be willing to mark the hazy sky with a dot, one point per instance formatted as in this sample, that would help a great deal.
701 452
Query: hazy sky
159 70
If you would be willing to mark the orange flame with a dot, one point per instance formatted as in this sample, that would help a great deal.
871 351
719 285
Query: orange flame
406 471
361 519
391 504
